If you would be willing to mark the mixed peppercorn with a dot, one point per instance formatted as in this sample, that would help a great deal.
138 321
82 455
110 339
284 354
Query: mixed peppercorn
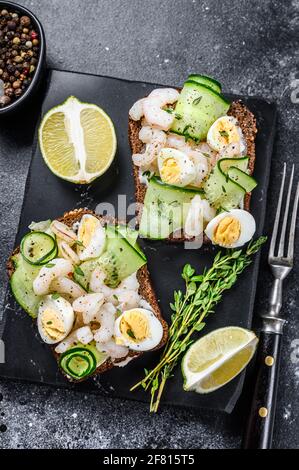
19 52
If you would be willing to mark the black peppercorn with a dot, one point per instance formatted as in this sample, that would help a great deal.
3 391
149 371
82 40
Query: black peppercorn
18 92
11 25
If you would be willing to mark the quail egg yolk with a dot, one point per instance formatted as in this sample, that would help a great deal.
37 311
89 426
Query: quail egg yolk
170 171
228 132
87 230
52 325
134 326
227 232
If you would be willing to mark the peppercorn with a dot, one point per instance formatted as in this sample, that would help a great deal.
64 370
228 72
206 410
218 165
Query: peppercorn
25 21
11 25
18 59
9 92
4 101
19 51
18 92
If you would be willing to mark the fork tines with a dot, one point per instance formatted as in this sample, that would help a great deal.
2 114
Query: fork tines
281 246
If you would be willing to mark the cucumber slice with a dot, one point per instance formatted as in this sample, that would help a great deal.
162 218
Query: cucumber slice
198 107
78 362
165 209
81 360
243 179
207 81
38 248
222 191
119 260
131 236
21 283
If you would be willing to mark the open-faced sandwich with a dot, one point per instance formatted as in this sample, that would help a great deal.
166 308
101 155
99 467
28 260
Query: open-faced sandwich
85 280
193 156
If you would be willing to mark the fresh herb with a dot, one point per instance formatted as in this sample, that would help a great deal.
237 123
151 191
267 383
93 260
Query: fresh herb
148 174
223 133
186 128
223 189
197 101
49 322
207 155
78 271
118 312
55 296
178 116
190 308
49 265
131 334
115 297
79 243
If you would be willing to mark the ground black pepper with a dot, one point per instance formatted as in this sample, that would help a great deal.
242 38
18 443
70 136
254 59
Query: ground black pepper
19 51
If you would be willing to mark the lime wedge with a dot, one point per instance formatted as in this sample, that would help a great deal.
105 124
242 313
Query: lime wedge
77 141
217 358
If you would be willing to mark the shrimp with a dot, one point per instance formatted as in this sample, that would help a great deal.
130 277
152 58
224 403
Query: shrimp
64 285
232 150
201 165
68 253
107 319
199 212
156 141
130 283
208 152
153 104
194 220
88 305
63 232
126 299
97 284
114 350
176 141
68 342
136 112
58 267
84 334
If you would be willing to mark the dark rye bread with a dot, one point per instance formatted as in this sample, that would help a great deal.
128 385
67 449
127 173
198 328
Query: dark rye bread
146 291
247 123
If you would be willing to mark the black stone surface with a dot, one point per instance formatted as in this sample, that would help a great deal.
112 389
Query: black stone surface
253 50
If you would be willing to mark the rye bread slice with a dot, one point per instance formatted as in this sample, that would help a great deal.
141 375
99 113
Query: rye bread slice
247 122
146 291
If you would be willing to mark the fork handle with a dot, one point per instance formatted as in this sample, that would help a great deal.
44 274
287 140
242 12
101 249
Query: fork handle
259 430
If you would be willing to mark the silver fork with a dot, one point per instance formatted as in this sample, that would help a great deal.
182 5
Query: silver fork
259 431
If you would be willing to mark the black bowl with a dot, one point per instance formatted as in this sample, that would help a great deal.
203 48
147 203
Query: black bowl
40 68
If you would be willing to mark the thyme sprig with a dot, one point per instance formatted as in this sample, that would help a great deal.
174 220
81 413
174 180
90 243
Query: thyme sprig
202 293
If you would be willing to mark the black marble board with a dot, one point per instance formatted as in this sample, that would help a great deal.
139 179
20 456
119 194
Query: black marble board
46 196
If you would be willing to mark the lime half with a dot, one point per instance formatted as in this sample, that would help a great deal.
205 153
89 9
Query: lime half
77 141
217 358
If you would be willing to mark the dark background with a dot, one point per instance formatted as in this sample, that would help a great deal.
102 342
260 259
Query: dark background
252 48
